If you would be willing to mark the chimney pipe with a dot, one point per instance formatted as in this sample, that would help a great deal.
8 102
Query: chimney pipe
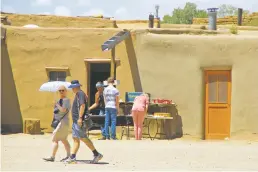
151 21
212 13
239 16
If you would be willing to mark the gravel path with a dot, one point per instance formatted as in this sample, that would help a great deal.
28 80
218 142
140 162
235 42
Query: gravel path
25 152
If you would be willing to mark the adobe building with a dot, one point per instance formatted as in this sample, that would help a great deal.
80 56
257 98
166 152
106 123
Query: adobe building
213 78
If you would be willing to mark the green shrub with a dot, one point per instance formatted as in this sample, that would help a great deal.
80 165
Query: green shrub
203 28
234 29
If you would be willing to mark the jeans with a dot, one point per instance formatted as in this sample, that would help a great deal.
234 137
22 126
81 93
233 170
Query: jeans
111 114
102 113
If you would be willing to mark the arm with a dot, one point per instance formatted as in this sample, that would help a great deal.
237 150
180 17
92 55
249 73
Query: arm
104 95
81 100
117 100
66 105
96 104
82 108
146 106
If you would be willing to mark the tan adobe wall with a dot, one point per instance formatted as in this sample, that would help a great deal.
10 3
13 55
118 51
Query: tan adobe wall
31 50
171 66
165 65
59 21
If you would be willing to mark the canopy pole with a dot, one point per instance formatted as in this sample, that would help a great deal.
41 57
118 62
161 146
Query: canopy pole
113 63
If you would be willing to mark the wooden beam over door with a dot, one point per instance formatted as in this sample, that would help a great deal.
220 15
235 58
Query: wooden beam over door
113 63
110 45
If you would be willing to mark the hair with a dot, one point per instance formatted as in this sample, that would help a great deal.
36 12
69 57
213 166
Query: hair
100 83
110 80
62 87
146 95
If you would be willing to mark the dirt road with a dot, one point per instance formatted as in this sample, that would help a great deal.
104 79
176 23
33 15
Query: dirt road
25 152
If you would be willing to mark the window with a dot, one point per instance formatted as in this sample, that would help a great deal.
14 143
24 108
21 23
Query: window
57 75
218 88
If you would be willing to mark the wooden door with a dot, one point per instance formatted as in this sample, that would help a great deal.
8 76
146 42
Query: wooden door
217 104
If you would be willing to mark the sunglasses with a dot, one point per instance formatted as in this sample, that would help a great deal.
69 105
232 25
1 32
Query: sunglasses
61 90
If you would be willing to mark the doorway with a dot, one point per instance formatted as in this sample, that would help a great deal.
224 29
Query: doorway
217 104
97 72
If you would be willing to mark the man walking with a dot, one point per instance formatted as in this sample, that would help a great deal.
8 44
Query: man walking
79 110
111 97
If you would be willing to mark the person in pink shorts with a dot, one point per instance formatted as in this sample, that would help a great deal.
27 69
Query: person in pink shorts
139 109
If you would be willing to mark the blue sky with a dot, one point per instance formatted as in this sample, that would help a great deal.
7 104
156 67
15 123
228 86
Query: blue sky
120 9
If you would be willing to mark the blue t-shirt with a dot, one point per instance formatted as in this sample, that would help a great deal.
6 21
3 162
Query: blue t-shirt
110 94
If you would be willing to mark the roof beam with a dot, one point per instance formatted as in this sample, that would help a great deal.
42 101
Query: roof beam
112 42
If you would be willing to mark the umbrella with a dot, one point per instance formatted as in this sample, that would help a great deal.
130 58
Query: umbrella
53 86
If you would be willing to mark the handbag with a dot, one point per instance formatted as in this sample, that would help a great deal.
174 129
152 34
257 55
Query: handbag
55 122
87 122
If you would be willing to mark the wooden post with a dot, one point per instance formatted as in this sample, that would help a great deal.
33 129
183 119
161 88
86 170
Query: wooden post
113 63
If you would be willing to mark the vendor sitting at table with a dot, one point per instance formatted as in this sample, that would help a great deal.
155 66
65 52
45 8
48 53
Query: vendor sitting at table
99 103
139 109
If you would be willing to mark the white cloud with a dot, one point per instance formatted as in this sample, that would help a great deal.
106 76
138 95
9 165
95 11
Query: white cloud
45 13
62 11
7 9
121 10
42 2
84 3
121 13
94 11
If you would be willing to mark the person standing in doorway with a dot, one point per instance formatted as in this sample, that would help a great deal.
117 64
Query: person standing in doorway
99 103
139 109
111 97
79 110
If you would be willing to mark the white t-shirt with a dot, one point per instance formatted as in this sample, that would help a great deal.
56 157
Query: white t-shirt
110 94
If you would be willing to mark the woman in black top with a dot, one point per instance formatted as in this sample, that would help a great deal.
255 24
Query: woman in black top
99 102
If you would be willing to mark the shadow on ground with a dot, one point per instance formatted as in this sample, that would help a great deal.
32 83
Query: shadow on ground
89 162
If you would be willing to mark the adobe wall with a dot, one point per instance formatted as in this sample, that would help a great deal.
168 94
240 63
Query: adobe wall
31 50
171 66
59 21
165 65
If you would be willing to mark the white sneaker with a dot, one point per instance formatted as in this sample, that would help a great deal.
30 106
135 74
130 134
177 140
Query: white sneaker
97 158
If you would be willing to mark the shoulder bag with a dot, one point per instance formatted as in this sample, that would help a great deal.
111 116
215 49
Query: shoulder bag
55 122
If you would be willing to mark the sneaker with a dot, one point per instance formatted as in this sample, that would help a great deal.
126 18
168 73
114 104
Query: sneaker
114 138
64 159
97 158
102 138
70 160
50 159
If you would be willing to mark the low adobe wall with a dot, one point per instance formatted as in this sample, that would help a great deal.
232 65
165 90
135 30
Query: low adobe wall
59 21
248 20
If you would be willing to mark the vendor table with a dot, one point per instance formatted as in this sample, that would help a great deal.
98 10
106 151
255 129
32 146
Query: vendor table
127 121
154 119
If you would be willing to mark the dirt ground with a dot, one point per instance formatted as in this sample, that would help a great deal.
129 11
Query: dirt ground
24 152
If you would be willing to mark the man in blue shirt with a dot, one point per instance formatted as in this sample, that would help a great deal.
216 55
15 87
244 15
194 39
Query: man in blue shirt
79 111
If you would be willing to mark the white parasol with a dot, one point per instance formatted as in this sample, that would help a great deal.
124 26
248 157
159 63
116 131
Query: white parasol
54 85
